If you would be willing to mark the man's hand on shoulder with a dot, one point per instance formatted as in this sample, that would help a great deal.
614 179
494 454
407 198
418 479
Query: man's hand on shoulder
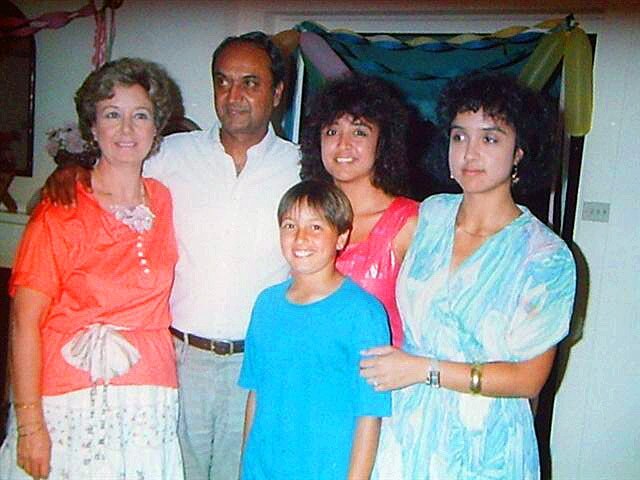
60 187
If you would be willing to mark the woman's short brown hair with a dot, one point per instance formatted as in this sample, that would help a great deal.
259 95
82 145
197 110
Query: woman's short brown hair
125 71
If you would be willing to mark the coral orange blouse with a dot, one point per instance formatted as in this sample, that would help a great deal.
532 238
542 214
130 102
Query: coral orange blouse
95 269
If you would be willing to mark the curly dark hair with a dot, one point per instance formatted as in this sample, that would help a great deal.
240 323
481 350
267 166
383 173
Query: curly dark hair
500 96
125 71
375 101
261 41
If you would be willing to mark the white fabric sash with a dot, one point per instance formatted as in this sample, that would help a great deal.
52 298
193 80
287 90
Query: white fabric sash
102 351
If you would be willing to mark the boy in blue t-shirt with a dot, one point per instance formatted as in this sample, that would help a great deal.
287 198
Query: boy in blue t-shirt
310 415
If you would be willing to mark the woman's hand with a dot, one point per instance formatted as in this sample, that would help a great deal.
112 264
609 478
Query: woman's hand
34 453
60 187
388 368
34 445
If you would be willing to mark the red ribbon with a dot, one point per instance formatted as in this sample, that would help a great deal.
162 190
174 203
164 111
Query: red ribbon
99 40
24 27
104 35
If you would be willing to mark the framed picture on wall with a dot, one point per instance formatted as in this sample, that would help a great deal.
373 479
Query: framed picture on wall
17 82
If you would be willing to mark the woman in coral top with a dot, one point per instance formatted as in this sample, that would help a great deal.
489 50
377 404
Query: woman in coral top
355 136
93 367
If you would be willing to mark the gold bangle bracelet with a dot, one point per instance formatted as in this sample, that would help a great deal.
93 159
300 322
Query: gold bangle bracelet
475 385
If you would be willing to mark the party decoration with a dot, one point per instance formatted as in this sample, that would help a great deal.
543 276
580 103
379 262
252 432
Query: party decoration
287 41
420 66
23 27
509 32
105 32
578 83
326 61
543 61
105 26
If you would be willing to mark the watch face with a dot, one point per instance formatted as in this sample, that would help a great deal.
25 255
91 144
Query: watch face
435 378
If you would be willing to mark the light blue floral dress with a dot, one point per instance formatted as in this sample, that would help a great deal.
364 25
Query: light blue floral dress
511 300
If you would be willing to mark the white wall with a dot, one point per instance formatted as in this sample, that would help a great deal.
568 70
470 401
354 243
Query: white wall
596 431
180 35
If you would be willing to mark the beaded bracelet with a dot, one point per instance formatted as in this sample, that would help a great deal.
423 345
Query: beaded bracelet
30 424
24 406
475 385
39 428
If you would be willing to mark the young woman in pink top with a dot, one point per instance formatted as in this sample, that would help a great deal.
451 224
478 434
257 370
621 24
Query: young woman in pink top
93 366
355 136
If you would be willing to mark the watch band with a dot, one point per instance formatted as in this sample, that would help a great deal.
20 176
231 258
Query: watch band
433 373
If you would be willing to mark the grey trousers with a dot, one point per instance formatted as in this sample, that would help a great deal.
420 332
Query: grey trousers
211 416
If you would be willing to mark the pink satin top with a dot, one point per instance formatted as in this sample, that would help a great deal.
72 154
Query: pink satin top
373 264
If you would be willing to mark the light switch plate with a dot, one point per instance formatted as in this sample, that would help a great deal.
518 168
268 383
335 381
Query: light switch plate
595 212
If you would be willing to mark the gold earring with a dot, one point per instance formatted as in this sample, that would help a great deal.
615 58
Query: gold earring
514 174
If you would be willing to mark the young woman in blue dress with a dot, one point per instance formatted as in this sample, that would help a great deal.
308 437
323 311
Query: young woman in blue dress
485 294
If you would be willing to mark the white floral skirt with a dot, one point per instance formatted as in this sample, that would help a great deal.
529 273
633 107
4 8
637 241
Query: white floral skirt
105 433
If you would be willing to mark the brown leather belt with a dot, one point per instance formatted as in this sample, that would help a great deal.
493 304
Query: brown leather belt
219 347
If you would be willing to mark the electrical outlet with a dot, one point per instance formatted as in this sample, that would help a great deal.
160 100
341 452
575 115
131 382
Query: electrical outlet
595 212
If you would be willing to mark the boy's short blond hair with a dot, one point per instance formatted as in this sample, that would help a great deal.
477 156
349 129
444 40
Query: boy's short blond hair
323 197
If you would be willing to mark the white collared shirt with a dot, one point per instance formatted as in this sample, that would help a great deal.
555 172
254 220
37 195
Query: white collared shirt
226 227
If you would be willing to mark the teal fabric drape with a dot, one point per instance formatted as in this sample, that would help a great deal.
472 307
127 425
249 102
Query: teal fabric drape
420 66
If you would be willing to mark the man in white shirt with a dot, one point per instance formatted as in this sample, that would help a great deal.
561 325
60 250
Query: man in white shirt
226 183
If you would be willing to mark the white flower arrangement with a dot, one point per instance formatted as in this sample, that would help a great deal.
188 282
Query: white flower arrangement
65 138
65 144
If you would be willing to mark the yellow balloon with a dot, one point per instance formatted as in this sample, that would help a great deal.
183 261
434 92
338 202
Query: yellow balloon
543 61
578 83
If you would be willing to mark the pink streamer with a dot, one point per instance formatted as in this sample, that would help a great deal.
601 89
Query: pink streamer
99 41
112 33
103 38
13 22
328 63
20 27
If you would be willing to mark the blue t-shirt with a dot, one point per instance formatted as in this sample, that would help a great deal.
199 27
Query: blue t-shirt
302 362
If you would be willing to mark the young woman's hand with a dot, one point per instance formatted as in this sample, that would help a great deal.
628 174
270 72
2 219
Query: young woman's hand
388 368
34 453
